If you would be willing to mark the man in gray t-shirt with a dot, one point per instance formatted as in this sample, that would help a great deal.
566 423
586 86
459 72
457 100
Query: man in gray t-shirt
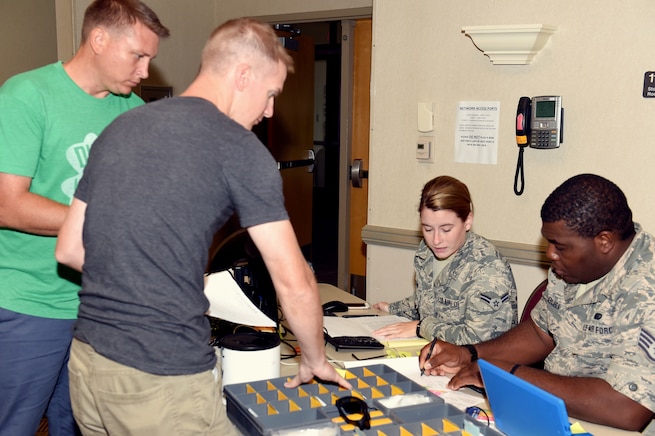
160 181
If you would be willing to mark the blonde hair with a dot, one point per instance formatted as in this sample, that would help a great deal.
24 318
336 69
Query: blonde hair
243 39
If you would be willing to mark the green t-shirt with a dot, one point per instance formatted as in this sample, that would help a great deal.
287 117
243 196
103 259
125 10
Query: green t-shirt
47 126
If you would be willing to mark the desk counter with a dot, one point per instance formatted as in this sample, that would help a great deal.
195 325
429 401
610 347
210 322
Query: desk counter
329 293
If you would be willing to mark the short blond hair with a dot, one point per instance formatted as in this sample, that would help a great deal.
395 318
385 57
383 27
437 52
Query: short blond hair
240 39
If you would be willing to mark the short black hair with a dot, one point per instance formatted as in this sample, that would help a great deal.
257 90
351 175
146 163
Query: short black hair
589 204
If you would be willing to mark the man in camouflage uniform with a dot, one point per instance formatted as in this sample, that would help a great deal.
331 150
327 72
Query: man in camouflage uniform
471 300
595 324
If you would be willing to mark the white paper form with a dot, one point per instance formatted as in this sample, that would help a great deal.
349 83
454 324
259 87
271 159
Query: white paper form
228 302
360 325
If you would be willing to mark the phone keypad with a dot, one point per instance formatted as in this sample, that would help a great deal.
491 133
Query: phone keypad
544 139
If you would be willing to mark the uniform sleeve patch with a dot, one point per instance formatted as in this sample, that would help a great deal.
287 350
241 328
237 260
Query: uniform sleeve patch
647 344
494 301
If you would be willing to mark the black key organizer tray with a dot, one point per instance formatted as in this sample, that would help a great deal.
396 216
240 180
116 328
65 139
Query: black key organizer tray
398 407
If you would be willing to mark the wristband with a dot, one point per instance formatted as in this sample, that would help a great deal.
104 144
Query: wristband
514 368
418 328
473 351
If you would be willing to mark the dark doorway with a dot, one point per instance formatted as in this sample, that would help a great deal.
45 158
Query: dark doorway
325 234
323 251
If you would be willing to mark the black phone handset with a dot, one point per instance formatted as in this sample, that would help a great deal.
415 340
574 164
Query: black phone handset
523 114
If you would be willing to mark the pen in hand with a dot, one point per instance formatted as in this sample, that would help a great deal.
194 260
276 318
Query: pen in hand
434 341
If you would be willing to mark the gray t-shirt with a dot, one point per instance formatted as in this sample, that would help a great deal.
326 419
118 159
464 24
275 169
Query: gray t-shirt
160 181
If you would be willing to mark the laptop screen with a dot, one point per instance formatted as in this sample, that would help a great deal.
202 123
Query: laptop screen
520 408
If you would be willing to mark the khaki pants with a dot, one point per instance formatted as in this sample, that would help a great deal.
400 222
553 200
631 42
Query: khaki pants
113 399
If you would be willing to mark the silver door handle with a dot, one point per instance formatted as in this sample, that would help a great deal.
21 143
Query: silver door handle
357 173
307 162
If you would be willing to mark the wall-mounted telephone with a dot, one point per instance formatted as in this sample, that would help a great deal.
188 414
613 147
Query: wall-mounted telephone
539 122
538 125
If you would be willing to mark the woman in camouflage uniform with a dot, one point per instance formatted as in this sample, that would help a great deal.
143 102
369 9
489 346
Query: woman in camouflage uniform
465 291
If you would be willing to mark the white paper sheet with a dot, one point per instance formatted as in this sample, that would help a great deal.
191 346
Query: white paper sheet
360 326
476 139
228 302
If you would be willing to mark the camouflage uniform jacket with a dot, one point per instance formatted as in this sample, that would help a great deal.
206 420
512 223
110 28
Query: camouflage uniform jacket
473 298
609 332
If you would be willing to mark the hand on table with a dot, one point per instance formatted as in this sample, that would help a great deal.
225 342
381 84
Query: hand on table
397 330
324 372
382 305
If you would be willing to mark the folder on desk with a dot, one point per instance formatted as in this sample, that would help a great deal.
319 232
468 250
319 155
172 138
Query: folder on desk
521 408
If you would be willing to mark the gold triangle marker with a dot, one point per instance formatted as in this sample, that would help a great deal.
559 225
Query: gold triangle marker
395 390
250 389
449 426
426 430
293 407
260 399
272 410
315 403
376 393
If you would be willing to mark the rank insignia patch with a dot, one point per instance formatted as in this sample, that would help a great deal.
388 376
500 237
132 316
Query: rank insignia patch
647 343
494 302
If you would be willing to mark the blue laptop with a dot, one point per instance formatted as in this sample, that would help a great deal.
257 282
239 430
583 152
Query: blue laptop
520 408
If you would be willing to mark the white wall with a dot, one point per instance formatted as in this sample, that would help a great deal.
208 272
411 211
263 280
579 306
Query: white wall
27 28
596 60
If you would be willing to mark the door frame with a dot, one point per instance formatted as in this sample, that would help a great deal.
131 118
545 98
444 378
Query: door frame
345 154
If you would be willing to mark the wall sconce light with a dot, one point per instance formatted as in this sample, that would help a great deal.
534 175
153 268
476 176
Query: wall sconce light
514 44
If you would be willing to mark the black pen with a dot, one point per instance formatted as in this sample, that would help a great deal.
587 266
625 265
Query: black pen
359 315
434 341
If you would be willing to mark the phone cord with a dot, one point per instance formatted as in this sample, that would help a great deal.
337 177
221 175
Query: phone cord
519 173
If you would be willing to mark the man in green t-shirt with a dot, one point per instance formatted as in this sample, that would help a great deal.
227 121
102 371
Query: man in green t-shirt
50 118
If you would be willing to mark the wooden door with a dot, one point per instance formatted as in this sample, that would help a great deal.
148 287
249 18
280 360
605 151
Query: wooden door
360 139
289 135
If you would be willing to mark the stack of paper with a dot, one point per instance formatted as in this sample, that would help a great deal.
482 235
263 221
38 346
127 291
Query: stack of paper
359 326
